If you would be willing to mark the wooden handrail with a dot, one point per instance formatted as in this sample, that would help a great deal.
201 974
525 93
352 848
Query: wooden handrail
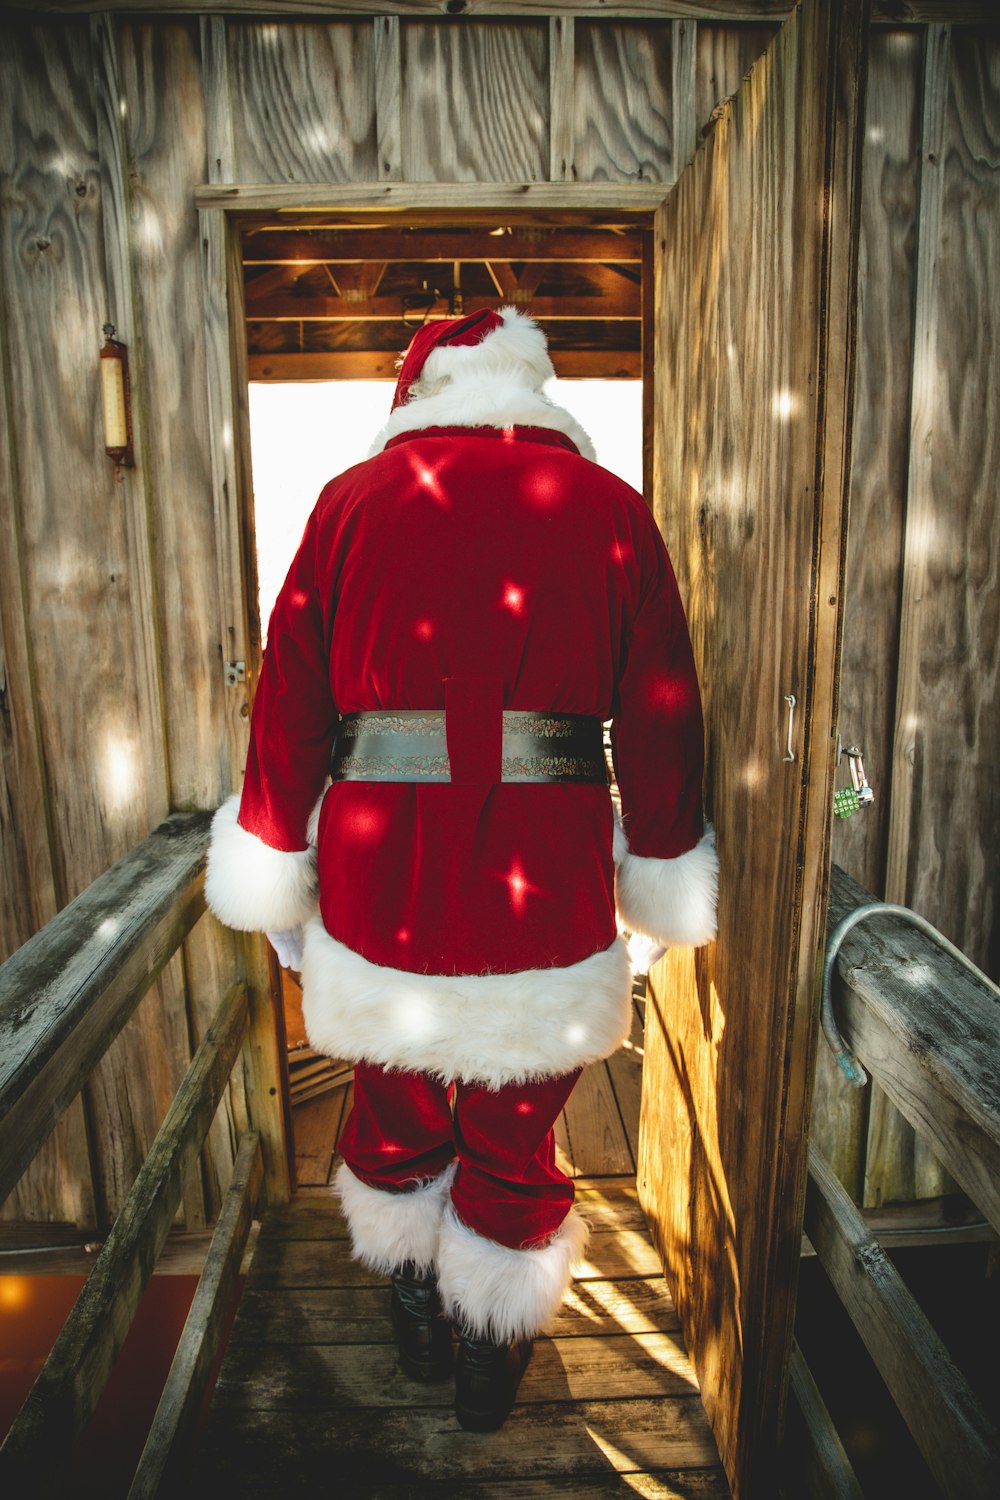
37 1450
926 1027
928 1032
66 994
958 1443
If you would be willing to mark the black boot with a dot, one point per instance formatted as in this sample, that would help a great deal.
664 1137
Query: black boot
423 1336
486 1381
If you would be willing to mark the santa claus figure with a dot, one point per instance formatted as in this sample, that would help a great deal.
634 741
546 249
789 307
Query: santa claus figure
426 798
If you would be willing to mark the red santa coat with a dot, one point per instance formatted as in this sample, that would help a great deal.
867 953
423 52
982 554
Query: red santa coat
468 930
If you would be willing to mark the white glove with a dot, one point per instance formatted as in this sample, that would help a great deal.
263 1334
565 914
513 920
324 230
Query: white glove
643 952
288 946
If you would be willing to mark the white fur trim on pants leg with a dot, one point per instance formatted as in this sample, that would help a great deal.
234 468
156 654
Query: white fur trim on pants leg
389 1229
492 1291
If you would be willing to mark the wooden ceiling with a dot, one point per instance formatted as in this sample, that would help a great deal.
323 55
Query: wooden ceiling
336 303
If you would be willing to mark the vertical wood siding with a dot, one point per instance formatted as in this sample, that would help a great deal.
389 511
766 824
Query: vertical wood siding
119 603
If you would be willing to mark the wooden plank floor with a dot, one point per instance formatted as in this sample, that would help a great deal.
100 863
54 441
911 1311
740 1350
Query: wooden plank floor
311 1394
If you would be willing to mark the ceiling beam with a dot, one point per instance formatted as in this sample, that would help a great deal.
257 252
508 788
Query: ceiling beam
623 303
958 12
298 247
580 364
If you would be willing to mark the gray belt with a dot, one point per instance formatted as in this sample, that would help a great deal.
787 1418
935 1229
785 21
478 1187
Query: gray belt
411 745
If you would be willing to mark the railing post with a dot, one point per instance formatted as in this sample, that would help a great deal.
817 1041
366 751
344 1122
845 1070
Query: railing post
265 1068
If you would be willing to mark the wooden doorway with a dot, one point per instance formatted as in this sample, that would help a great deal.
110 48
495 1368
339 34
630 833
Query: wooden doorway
756 255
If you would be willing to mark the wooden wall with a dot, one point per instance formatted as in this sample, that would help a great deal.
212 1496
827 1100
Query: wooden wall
120 602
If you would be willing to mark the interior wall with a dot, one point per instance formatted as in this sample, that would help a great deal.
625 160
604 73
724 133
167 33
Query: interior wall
114 613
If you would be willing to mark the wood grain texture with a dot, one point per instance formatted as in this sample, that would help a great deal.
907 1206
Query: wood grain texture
84 573
623 113
725 53
942 848
562 88
388 97
927 1029
959 12
165 134
303 101
474 202
683 93
476 102
958 1443
71 989
890 182
597 1139
750 492
941 855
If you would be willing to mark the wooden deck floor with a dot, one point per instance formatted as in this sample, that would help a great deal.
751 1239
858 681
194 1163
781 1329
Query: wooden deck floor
311 1399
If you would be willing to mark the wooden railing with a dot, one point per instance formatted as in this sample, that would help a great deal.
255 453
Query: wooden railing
928 1031
64 997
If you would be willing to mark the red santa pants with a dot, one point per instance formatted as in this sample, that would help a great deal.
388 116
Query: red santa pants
406 1128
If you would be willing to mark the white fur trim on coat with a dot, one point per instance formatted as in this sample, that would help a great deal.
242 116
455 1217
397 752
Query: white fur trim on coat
491 1291
491 1029
389 1229
252 887
671 900
495 383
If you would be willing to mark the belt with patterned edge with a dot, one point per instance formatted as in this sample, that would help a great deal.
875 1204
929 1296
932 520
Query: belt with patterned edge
411 745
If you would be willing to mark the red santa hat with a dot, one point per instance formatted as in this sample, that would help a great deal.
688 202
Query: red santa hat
465 331
486 369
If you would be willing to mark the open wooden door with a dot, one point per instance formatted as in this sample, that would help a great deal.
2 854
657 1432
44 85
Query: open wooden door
756 255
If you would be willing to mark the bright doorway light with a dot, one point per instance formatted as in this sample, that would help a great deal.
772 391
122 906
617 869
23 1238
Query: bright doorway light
302 435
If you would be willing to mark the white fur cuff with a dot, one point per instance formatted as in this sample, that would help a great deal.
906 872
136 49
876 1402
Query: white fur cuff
671 900
492 1029
252 887
494 1292
389 1229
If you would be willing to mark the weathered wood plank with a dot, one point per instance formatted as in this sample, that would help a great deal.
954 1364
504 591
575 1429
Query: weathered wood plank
815 1463
725 54
475 102
942 845
388 97
97 724
58 1182
755 294
368 1449
623 117
37 1450
68 992
315 1126
232 560
598 1142
666 1484
683 94
304 1376
959 12
957 1441
928 1031
476 201
562 88
303 101
625 1074
192 1363
361 1315
890 182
